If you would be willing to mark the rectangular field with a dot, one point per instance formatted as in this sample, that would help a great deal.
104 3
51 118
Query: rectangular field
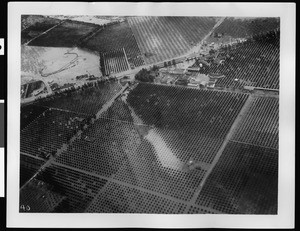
210 113
260 126
115 62
67 34
244 181
163 38
115 37
89 100
46 134
117 198
77 189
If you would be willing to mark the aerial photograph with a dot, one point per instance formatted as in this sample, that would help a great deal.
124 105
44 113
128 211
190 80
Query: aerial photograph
149 114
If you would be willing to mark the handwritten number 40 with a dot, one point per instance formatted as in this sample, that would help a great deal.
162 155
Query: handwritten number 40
25 208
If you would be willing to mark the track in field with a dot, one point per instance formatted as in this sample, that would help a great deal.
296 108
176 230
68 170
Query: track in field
162 38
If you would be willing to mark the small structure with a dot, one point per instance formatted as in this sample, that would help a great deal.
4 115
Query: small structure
193 85
249 88
193 69
215 75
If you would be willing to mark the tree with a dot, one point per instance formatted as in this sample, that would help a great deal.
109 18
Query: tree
144 76
165 64
173 62
155 68
169 63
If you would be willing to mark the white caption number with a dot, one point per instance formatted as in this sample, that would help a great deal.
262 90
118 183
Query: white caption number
25 208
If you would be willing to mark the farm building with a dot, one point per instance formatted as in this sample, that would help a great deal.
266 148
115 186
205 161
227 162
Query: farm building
216 75
193 69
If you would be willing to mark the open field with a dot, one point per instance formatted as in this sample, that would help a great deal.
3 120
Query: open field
252 63
67 34
58 65
115 37
161 38
35 25
94 19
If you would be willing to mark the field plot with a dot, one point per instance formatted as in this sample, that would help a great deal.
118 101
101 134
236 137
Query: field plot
189 110
260 126
30 113
192 122
117 198
163 38
28 167
115 62
88 100
245 27
60 65
38 197
46 134
113 148
253 63
102 147
244 181
35 25
95 19
115 37
76 189
67 34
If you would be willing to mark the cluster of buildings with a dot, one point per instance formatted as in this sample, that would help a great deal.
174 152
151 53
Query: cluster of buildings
195 76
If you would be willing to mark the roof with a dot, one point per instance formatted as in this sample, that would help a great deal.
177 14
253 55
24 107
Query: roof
216 75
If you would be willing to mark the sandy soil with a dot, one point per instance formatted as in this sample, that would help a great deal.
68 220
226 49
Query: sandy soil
60 65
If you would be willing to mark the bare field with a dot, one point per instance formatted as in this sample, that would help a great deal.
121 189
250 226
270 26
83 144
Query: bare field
60 65
67 34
